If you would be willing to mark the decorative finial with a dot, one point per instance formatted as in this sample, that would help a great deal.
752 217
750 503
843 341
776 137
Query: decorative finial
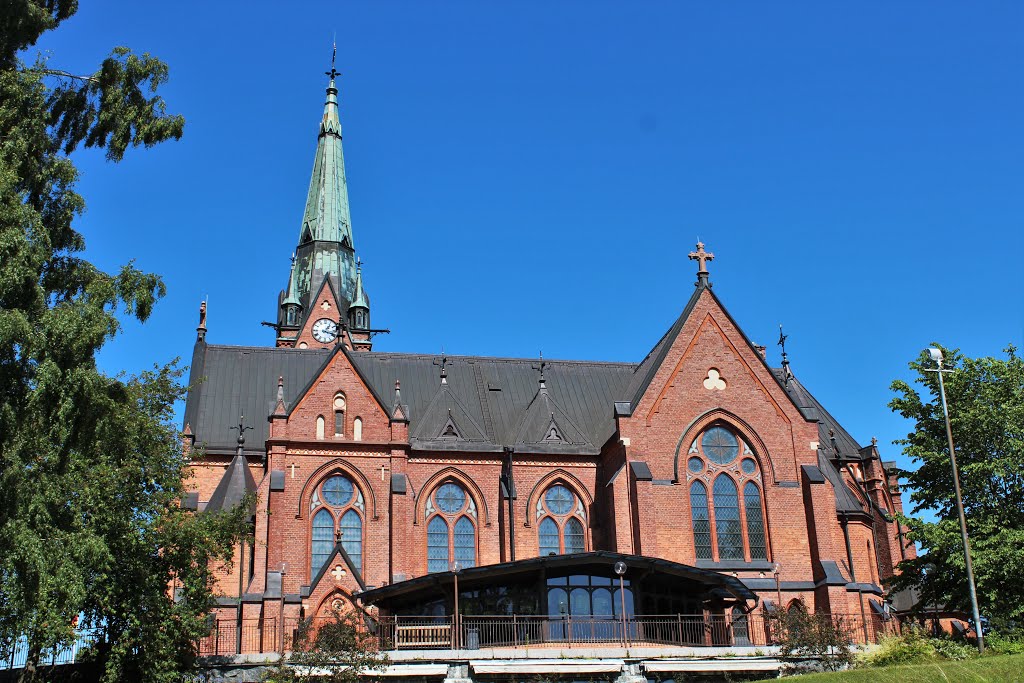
398 392
201 330
786 372
359 265
333 73
540 368
241 432
874 441
280 389
702 257
443 362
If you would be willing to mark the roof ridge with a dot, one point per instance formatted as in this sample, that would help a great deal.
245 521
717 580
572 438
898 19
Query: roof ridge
504 359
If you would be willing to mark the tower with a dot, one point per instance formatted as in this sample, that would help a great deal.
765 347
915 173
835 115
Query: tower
325 292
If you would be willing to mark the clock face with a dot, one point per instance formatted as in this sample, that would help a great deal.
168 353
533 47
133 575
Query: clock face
325 330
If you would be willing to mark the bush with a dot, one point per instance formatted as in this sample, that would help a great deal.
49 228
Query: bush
911 647
822 636
953 650
1005 644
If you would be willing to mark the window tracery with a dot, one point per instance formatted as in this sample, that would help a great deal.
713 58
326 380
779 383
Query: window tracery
561 529
726 503
451 528
336 508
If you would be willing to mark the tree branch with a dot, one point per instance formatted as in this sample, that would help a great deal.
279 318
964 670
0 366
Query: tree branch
60 73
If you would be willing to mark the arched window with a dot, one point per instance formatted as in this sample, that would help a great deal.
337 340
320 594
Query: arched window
339 414
357 429
451 528
727 519
721 460
320 426
755 521
701 521
561 527
337 512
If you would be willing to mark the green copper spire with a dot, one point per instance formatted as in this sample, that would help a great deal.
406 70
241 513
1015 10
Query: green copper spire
325 249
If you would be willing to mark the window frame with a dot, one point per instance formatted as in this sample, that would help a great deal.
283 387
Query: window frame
561 520
354 504
708 476
451 520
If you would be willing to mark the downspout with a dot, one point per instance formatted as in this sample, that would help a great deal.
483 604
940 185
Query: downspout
511 485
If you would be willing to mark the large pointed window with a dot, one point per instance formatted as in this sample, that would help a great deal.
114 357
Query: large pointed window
726 506
337 511
561 528
451 528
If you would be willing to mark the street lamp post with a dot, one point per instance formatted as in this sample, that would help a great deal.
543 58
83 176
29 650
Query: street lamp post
620 569
778 586
936 355
456 568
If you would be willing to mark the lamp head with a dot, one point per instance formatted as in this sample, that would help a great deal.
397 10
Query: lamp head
456 567
620 568
936 355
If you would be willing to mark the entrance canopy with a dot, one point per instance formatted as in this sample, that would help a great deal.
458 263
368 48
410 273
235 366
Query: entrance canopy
655 584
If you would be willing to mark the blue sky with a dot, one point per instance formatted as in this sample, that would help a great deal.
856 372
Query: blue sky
531 176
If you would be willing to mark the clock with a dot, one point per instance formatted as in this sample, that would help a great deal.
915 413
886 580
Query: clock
325 330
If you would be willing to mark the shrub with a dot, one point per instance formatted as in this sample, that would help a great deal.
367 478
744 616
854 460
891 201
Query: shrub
1004 644
822 636
952 649
910 647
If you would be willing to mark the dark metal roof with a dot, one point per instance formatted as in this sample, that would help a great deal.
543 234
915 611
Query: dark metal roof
489 574
229 381
234 485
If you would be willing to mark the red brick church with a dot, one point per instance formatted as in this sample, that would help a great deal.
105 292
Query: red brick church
697 481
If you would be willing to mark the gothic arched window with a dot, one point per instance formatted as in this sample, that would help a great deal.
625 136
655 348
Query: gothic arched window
339 414
561 528
726 504
451 528
337 512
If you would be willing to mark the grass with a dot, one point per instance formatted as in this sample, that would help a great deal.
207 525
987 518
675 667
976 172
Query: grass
998 669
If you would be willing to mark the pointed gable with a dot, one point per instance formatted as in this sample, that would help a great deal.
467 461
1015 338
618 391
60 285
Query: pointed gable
234 485
447 424
545 427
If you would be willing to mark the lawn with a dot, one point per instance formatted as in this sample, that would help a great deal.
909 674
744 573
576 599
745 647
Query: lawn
988 669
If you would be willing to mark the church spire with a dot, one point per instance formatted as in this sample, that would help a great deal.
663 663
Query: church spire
325 250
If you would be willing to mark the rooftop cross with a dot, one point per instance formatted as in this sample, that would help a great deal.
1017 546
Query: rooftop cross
443 362
241 431
333 73
540 367
702 257
787 373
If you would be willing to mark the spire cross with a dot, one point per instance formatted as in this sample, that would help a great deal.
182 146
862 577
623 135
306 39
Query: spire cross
241 430
333 73
702 257
443 362
540 367
785 357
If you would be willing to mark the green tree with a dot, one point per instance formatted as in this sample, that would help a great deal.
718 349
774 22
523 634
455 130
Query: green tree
986 410
337 649
91 468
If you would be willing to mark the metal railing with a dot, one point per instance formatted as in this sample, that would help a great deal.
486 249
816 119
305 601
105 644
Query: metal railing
520 631
14 655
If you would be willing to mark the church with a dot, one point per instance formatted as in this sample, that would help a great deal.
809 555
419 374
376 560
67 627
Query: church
462 503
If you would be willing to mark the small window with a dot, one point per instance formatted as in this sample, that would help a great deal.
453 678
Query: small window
357 429
320 427
339 414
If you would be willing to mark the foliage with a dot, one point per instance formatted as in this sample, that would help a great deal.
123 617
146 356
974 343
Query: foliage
953 650
1004 644
799 633
91 468
986 409
335 650
910 647
977 670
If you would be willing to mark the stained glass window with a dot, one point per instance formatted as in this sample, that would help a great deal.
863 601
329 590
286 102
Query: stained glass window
559 500
450 498
719 445
465 542
695 465
338 490
748 465
323 540
352 537
701 521
437 545
574 542
727 519
755 521
548 536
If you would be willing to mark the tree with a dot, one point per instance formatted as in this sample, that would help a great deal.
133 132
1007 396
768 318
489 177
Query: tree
986 410
91 468
336 649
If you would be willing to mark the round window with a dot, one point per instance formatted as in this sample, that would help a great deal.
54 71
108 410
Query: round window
337 490
720 445
748 465
695 465
451 498
559 500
